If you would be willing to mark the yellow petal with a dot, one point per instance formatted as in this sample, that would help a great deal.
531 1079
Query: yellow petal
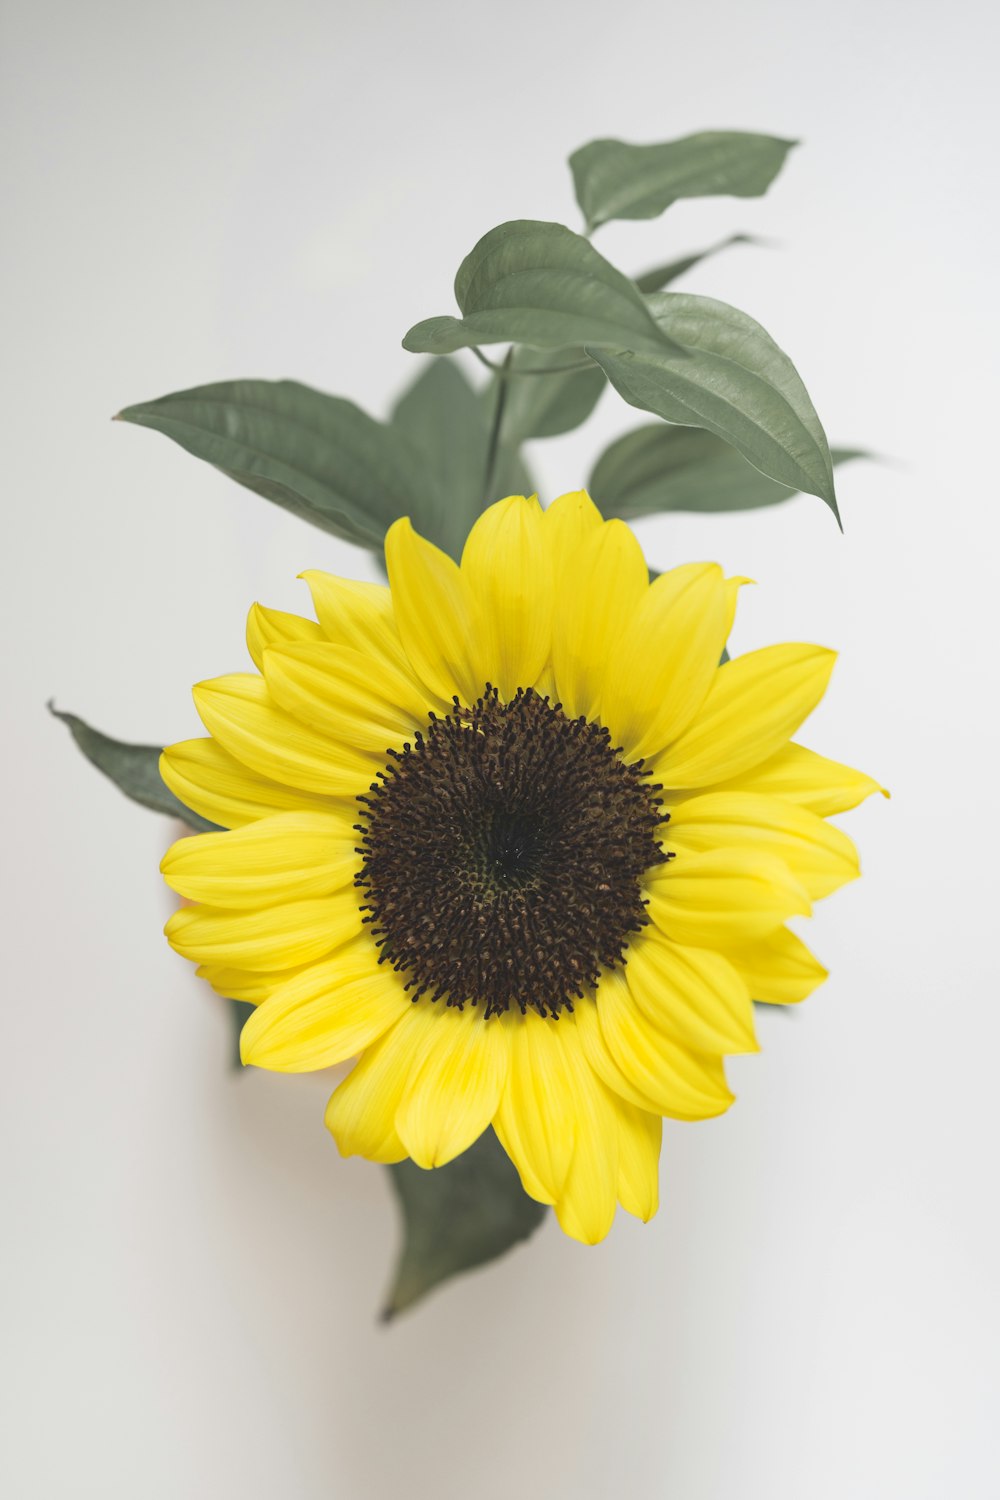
215 784
586 1206
565 524
361 1113
326 1014
239 712
810 780
639 1136
733 586
778 969
724 896
356 699
818 855
356 614
454 1087
434 613
595 1050
246 984
286 857
508 571
599 593
644 1065
666 659
564 527
695 996
273 627
277 938
535 1118
755 704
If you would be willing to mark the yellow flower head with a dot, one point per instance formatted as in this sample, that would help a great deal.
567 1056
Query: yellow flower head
511 833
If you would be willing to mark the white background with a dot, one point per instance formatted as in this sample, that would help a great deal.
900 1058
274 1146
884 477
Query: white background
205 190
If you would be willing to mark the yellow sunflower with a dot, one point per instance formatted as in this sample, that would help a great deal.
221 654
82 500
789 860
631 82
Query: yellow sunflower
510 834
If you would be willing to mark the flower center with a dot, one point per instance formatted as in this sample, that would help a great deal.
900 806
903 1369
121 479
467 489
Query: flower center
501 855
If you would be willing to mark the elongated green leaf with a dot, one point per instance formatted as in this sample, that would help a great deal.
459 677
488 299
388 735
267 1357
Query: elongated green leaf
615 180
318 456
545 405
134 769
735 382
661 276
457 1217
662 468
534 283
449 421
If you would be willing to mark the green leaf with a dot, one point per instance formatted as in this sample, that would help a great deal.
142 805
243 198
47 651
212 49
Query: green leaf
457 1217
735 382
318 456
661 276
615 180
541 406
240 1012
662 468
539 284
134 769
449 421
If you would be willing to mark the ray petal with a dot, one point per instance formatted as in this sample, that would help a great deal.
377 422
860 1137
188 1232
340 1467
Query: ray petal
286 857
755 704
508 569
455 1084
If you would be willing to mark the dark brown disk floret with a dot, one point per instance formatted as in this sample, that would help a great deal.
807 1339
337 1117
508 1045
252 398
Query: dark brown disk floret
502 852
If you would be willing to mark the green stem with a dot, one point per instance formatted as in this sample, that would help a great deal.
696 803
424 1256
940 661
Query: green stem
494 443
504 371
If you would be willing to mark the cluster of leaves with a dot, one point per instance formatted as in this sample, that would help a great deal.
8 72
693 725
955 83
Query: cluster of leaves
733 429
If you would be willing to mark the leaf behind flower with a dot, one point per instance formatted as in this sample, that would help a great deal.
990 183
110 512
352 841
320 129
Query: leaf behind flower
319 456
659 467
134 769
456 1218
444 416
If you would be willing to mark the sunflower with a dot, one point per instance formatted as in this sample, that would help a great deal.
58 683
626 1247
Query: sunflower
511 835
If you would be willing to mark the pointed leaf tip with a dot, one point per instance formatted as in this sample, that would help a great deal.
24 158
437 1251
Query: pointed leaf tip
661 467
318 456
134 769
455 1218
736 383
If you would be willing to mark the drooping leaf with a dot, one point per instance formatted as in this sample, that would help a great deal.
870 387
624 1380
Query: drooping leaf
457 1217
659 467
615 180
318 456
530 282
449 421
735 382
661 276
545 405
134 769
